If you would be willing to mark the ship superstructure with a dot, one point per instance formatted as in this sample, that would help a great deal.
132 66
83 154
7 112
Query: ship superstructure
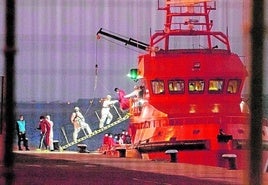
191 85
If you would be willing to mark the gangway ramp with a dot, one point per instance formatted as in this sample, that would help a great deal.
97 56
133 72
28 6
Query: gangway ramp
95 132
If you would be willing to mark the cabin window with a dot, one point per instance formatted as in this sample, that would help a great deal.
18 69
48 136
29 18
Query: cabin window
176 86
158 86
233 86
196 86
215 86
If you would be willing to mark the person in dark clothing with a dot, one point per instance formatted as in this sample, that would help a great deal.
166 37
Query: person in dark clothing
21 132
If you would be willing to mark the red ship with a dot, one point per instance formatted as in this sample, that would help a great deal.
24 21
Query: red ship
191 85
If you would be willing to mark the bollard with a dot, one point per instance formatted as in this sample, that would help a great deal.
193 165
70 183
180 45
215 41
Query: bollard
122 152
231 160
82 148
56 144
173 155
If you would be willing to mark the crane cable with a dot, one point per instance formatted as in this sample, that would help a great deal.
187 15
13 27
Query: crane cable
96 71
96 78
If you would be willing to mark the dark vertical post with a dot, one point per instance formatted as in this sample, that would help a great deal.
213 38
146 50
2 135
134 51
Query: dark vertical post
9 119
2 104
256 92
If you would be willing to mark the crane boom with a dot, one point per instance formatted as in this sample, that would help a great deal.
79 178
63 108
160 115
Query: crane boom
127 41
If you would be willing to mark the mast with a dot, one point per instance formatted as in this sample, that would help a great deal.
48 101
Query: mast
188 18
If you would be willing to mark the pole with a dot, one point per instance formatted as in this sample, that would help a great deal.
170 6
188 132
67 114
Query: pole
117 111
9 119
63 131
256 92
2 104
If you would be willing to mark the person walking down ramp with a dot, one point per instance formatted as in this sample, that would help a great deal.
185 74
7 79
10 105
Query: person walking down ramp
105 111
79 123
123 102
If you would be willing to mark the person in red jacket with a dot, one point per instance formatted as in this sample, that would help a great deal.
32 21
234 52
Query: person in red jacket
44 127
123 102
106 139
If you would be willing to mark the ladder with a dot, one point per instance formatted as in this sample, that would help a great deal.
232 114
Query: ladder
120 120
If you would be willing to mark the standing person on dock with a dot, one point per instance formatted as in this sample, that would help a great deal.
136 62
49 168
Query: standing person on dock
105 111
79 123
51 144
123 102
44 128
21 132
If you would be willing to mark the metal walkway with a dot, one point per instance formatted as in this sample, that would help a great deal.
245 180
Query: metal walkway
120 120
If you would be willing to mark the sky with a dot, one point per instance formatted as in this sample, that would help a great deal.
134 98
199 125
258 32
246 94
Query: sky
58 50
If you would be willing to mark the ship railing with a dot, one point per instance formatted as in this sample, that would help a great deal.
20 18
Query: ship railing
190 17
185 2
181 9
95 132
68 144
160 35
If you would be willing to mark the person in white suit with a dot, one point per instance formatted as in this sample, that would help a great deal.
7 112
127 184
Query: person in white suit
79 123
51 144
106 115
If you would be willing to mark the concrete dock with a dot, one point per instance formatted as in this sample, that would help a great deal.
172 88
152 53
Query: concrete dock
58 168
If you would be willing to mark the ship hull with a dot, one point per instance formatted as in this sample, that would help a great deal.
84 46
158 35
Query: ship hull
190 136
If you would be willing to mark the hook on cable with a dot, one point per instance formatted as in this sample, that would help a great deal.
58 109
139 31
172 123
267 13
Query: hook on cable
96 69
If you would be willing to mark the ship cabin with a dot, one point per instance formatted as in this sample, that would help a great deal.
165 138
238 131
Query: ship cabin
184 83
